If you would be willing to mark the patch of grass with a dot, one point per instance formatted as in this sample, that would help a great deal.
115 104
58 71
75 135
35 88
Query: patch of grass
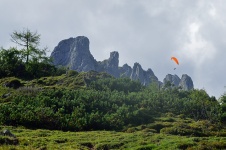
5 140
138 140
168 119
209 145
146 147
159 125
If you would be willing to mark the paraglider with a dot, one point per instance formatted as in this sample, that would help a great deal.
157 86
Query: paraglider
175 60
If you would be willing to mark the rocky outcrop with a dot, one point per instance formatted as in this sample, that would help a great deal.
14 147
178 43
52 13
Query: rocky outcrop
125 71
145 77
185 83
174 80
110 65
74 53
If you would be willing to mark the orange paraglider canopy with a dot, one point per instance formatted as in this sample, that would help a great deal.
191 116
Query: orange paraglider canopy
175 60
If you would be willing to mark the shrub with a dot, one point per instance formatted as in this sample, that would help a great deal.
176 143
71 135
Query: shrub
131 130
168 119
211 145
14 83
147 130
8 140
72 73
146 147
177 131
185 145
112 145
223 117
158 126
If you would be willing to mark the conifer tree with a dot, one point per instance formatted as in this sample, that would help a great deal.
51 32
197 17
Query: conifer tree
30 42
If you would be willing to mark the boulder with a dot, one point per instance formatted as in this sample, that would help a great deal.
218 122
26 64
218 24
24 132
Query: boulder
6 132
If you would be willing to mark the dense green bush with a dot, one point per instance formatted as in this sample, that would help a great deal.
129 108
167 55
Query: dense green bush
12 64
108 103
120 84
223 108
92 109
177 130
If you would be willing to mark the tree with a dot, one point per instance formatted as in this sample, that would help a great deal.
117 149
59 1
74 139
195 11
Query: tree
36 63
30 41
11 63
223 107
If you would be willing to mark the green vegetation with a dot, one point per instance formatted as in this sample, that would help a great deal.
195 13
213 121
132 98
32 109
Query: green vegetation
45 103
55 108
137 138
28 62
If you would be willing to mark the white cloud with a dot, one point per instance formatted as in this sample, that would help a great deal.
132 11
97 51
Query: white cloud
196 49
148 32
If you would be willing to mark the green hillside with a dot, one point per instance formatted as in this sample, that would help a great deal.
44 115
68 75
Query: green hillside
96 111
44 107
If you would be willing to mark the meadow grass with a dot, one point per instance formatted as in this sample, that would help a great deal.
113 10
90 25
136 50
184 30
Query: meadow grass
103 140
166 132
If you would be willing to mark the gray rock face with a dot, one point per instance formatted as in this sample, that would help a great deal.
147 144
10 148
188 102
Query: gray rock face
185 83
150 75
110 65
173 79
145 77
137 73
125 71
74 53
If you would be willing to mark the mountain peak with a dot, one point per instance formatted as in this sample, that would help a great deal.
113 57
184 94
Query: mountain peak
74 53
185 83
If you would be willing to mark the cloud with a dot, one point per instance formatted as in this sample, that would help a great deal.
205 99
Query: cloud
148 32
196 49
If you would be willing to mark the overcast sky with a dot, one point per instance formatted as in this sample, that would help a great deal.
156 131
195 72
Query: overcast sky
145 31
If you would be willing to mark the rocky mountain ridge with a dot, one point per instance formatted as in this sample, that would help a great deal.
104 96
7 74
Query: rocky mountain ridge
74 53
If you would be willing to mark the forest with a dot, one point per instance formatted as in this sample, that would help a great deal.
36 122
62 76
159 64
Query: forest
37 95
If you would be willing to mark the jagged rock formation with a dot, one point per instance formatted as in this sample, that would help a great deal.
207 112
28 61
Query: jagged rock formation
110 65
74 53
173 79
185 83
125 71
145 77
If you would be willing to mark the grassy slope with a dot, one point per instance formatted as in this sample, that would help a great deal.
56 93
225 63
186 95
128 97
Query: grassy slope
72 80
168 132
143 137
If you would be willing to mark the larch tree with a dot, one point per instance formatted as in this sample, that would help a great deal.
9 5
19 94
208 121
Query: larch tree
30 42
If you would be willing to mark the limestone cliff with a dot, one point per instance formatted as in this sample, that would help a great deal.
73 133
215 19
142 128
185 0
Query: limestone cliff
185 83
74 53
